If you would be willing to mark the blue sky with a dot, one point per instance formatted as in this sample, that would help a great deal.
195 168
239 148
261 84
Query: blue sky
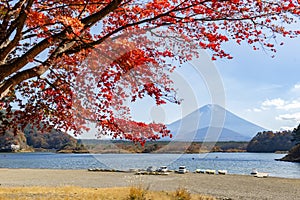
256 87
263 89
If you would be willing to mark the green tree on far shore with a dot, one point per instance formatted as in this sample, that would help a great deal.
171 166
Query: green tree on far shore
294 153
296 135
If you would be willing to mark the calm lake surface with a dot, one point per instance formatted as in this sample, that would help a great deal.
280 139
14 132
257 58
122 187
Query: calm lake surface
235 163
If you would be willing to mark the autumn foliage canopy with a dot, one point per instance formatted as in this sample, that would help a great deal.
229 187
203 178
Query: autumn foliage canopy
65 64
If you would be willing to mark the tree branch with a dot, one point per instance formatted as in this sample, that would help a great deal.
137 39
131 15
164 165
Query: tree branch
8 84
92 19
16 25
10 68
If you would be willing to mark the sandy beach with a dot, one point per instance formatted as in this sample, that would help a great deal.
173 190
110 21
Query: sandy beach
220 186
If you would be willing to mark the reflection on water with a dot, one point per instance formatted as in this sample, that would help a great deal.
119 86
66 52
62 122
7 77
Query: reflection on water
235 163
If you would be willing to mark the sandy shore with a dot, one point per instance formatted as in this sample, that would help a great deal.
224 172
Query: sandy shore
225 187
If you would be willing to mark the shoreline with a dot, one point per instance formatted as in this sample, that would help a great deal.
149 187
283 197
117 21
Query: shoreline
220 186
126 152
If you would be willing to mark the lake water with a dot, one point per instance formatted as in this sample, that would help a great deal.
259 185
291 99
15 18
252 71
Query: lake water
235 163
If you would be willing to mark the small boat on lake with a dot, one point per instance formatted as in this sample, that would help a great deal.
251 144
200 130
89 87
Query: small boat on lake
261 175
151 169
200 171
163 169
210 171
182 170
254 172
222 172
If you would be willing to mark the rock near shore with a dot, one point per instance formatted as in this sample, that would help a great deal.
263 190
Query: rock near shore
293 155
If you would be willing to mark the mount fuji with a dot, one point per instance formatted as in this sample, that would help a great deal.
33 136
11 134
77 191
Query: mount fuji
213 123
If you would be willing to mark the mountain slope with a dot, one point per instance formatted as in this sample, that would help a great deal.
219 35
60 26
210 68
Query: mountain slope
213 123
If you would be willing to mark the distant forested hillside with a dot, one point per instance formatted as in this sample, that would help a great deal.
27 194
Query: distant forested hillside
49 140
9 138
122 146
31 137
269 141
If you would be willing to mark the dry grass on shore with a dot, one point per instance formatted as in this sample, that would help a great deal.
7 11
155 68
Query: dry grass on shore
73 192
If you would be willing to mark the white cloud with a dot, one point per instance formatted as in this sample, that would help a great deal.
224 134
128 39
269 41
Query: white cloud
294 117
284 114
297 86
280 104
254 110
273 103
295 90
292 105
257 110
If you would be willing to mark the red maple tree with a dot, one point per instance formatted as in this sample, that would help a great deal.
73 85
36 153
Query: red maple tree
67 63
